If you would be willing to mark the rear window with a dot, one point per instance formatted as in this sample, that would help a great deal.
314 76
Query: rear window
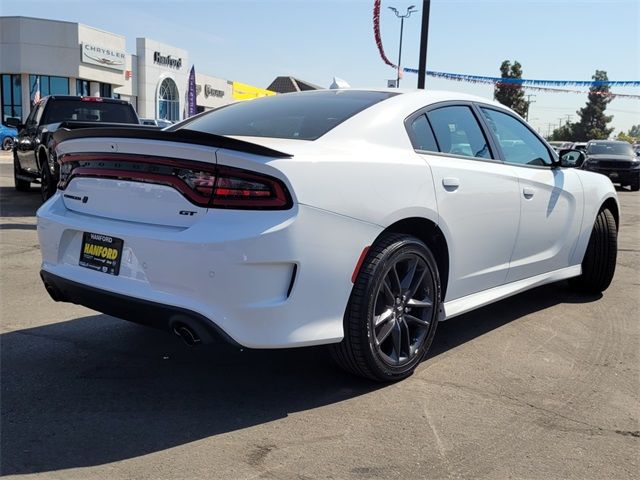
303 116
89 111
605 148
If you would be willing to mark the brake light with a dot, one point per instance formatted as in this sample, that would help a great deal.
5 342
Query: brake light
213 186
91 99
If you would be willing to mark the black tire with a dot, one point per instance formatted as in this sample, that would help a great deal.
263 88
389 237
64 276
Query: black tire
599 263
47 184
7 143
635 186
21 185
391 349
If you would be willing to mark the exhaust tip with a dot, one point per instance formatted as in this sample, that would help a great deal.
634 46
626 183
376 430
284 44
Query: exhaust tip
189 337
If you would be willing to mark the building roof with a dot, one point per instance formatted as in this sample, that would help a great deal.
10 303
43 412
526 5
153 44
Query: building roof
291 84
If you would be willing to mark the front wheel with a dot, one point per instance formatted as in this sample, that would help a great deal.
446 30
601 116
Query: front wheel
392 314
7 143
635 185
20 184
599 263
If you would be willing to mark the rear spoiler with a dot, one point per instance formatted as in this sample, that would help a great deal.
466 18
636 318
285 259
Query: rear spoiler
153 133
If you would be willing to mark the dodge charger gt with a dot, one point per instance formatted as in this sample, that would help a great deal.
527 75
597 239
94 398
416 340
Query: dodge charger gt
353 218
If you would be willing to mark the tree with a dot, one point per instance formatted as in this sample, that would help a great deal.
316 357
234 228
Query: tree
632 136
593 122
509 94
565 132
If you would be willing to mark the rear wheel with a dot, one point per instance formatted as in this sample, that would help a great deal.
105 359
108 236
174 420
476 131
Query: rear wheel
21 185
47 185
599 263
393 310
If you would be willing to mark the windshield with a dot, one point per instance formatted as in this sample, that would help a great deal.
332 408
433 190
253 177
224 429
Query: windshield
89 111
607 148
303 116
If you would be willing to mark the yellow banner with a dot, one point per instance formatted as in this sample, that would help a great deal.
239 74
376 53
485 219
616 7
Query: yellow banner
242 91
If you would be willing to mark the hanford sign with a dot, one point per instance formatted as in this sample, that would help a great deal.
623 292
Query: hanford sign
167 60
104 57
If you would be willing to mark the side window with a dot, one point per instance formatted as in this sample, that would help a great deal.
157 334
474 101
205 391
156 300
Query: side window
457 132
519 144
422 135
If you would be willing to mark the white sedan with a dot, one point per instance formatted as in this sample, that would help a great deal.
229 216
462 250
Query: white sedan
355 218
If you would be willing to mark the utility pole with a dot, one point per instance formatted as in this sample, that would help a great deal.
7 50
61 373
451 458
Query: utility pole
424 36
529 102
410 10
549 125
569 118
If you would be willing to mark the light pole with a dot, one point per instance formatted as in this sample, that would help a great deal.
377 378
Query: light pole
410 10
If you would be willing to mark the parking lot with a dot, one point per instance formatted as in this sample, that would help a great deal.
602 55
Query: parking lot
542 385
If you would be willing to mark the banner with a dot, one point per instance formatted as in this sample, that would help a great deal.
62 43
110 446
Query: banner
192 107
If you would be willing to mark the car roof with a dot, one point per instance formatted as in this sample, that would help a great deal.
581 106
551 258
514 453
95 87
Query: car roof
77 97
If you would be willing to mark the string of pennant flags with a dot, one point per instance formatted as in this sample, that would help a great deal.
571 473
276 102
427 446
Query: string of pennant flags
529 84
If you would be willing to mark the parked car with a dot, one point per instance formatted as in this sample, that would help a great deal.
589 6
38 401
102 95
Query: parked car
616 160
579 146
557 145
341 217
7 135
159 122
33 156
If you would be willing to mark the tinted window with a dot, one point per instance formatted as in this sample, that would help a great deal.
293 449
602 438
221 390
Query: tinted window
81 111
457 132
519 144
423 138
304 116
610 148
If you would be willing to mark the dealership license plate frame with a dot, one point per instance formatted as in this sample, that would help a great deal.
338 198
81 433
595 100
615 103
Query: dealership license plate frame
97 250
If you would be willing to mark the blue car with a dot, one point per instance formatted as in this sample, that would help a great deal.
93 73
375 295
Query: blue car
6 136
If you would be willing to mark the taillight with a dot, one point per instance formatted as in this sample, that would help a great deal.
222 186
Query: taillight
235 188
91 99
214 186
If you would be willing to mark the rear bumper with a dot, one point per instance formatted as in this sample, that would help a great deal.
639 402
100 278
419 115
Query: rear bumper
143 312
267 279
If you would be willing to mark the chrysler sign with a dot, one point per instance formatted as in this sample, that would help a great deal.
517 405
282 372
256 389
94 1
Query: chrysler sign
104 57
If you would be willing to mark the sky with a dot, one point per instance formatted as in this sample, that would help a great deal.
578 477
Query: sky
314 40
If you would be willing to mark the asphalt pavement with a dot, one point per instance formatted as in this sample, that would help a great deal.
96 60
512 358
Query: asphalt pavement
545 384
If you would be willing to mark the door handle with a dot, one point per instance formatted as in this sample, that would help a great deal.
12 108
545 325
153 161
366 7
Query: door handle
528 192
450 184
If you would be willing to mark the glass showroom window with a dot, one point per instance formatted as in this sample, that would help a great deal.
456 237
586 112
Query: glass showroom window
83 88
168 101
11 97
46 85
105 90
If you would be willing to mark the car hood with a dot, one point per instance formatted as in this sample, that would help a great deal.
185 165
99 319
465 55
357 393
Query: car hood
627 158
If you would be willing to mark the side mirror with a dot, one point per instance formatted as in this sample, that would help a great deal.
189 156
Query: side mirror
571 158
14 122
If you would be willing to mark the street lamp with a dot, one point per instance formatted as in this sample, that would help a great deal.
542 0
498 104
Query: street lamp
410 10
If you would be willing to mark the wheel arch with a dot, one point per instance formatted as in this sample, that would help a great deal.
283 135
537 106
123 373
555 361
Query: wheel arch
611 204
429 233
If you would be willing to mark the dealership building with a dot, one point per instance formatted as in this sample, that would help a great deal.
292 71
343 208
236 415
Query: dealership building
41 57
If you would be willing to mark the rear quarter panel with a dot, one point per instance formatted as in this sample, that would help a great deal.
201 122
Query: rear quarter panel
597 190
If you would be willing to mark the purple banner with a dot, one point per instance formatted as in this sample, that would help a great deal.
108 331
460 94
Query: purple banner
192 109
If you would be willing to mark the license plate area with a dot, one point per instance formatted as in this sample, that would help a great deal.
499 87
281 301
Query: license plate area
101 253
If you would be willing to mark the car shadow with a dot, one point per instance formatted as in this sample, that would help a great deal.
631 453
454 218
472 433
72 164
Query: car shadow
96 389
19 204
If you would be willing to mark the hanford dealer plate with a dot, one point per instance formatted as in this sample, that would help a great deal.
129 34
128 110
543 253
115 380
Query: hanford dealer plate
101 253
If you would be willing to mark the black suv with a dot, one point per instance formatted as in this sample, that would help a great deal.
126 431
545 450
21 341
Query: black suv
616 160
33 156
